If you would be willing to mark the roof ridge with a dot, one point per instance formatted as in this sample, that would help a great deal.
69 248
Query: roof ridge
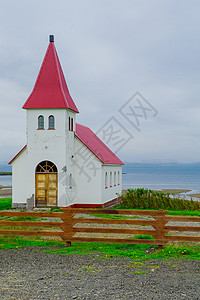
58 71
50 89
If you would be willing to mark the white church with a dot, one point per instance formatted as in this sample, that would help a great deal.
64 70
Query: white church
63 163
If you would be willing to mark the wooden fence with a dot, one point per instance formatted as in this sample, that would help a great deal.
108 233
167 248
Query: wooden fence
70 225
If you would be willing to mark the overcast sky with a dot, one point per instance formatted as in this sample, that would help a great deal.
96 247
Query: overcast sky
109 50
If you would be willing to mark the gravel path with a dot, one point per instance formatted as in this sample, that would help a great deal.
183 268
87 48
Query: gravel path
28 273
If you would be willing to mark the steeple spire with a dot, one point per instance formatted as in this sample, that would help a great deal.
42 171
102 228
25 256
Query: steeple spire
50 90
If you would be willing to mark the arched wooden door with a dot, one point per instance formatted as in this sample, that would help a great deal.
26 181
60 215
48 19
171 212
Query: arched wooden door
46 184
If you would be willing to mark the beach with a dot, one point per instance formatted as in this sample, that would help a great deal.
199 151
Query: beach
5 191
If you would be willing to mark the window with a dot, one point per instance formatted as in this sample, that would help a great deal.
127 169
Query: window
51 122
110 179
115 178
40 122
70 181
106 180
118 178
46 167
71 124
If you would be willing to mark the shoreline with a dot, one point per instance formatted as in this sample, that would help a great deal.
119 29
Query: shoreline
185 193
5 173
5 191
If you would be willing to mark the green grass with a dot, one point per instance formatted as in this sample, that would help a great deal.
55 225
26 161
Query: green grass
5 203
11 242
114 217
106 250
140 272
136 252
143 237
170 212
192 213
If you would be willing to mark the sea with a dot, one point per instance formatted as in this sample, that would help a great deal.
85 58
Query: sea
5 180
154 176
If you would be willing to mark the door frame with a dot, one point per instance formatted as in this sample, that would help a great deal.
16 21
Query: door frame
46 173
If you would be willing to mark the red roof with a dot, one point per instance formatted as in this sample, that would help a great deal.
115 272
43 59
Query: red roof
50 90
96 146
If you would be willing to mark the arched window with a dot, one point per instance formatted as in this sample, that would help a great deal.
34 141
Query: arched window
40 122
69 123
115 178
110 179
51 122
106 180
46 167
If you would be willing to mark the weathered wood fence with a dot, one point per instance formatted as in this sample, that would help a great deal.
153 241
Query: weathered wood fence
71 226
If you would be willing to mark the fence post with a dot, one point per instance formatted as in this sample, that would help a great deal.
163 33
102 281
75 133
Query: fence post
160 226
68 224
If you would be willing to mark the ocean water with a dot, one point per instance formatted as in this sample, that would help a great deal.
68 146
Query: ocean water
162 176
6 180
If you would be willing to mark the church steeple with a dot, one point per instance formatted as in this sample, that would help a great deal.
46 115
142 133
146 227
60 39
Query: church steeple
50 90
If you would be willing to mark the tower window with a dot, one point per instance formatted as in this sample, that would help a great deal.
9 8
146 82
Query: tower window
71 124
51 122
40 122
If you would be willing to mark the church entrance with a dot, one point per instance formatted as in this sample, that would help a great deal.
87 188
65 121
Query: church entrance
46 184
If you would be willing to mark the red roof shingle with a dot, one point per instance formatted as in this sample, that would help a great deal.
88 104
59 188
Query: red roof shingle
50 90
96 146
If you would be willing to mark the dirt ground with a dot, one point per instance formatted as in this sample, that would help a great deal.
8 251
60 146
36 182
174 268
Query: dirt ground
28 273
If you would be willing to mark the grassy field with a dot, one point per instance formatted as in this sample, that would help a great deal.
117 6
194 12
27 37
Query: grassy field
105 251
5 203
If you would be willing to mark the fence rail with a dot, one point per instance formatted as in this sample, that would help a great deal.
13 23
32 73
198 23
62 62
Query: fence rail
69 226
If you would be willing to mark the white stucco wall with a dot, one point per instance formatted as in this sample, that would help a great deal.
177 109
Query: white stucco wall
53 145
87 175
112 189
19 178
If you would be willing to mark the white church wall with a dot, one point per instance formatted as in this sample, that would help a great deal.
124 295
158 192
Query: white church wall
87 175
19 178
111 183
52 145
